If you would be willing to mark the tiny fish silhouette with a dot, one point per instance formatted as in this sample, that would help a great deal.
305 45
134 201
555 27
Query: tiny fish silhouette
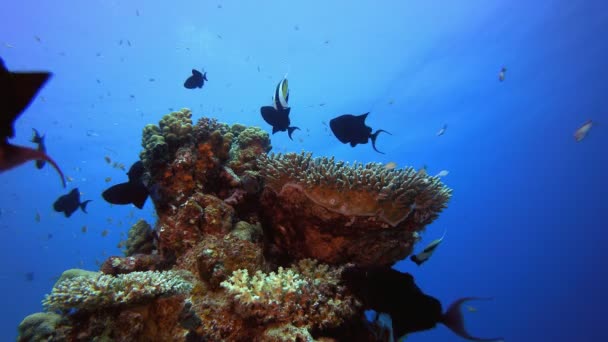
17 90
197 80
39 139
351 129
68 204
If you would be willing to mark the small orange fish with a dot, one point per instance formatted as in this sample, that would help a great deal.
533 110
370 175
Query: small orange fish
390 165
108 179
582 131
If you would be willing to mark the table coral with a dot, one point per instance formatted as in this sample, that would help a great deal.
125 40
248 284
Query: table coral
332 211
96 291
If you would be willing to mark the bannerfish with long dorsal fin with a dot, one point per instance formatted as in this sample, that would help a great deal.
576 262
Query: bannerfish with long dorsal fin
197 80
17 90
582 131
132 192
277 115
68 204
39 139
351 129
426 253
389 291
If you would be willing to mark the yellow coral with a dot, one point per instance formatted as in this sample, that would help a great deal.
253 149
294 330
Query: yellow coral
296 295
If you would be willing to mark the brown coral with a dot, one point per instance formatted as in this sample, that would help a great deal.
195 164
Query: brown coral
332 211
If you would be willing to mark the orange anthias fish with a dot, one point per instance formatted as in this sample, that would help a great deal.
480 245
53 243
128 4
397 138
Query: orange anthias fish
17 90
582 131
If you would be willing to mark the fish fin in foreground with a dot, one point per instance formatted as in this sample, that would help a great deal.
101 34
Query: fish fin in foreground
454 320
290 130
375 135
12 156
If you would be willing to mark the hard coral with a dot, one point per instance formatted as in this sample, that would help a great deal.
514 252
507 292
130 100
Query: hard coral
299 295
332 211
97 291
140 240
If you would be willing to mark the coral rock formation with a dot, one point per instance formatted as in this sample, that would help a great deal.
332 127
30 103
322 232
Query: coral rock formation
247 246
332 211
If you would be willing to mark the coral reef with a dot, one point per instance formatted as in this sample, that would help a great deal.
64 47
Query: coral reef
307 295
332 211
92 292
247 246
140 239
38 327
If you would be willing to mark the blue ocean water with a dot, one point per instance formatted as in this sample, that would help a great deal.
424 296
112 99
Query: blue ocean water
524 224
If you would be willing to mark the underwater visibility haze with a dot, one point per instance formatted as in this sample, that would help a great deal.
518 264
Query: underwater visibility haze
310 170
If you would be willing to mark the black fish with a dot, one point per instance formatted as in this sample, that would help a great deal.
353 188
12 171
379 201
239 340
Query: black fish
17 90
69 203
197 80
278 119
386 290
134 191
352 129
39 139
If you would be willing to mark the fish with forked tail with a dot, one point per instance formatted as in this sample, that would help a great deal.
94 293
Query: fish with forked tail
69 203
197 80
132 192
351 129
17 90
386 290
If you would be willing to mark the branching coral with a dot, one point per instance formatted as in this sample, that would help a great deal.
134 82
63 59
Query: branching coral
101 290
299 295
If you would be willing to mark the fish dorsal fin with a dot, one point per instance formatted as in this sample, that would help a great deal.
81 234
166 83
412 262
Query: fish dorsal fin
196 73
362 117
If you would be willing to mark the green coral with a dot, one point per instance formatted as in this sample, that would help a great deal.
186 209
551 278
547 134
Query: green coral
140 240
176 127
160 142
248 145
91 292
155 147
38 327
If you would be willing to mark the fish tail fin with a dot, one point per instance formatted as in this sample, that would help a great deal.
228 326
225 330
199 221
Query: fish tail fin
56 167
374 136
454 320
83 205
205 76
290 130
